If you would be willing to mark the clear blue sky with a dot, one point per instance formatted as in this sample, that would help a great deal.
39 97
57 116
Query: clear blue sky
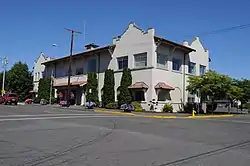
29 27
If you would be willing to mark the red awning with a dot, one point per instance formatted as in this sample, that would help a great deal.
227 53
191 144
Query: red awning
138 85
162 85
76 83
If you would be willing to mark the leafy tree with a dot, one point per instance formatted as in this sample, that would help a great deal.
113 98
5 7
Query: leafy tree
124 97
244 84
235 93
19 80
210 84
108 88
91 88
44 88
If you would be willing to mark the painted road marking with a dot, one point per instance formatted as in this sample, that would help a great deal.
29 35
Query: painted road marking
62 117
210 116
113 112
34 115
160 117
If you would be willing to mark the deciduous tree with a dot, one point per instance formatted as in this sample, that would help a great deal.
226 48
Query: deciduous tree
210 84
19 80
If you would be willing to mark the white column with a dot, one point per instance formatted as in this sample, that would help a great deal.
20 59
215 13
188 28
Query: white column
55 94
83 98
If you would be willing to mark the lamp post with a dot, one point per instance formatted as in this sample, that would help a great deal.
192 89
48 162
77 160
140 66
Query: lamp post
5 62
51 81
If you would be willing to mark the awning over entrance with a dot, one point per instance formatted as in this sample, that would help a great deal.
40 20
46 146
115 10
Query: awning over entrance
76 83
162 85
138 85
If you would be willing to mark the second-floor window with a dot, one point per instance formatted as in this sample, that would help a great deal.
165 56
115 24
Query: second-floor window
176 64
122 62
38 75
35 76
140 60
43 74
202 69
191 68
162 61
79 71
92 65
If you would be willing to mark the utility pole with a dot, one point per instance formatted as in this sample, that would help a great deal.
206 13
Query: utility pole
51 86
5 62
70 61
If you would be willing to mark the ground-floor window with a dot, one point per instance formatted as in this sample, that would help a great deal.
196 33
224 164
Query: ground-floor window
139 95
163 95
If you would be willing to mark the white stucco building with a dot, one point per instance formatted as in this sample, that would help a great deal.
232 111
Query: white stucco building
160 68
38 70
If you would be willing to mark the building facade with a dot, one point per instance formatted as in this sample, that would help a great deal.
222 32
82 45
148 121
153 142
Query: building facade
38 71
160 68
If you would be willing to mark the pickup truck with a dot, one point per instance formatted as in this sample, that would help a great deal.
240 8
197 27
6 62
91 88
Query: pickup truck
9 98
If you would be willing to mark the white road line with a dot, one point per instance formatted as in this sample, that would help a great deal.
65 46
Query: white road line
65 117
34 115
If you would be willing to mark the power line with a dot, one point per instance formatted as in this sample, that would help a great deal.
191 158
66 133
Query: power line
223 30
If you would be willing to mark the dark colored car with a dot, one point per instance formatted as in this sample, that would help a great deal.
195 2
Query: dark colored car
10 98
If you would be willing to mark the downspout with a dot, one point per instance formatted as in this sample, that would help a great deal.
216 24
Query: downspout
184 82
98 73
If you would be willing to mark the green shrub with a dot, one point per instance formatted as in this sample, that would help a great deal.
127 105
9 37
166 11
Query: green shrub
137 106
44 88
124 96
167 108
111 106
108 88
92 96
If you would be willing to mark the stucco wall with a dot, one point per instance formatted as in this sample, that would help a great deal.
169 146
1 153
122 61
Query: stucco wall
38 70
134 41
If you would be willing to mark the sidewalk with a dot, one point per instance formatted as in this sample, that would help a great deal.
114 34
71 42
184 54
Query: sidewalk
158 115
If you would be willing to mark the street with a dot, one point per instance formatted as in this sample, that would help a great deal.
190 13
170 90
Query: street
42 135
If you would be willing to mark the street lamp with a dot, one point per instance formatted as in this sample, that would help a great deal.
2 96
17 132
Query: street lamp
5 62
51 80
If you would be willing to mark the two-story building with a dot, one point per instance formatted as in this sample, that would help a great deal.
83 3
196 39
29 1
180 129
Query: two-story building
38 71
160 68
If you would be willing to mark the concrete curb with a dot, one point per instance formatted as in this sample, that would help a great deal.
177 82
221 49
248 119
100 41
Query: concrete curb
160 117
209 116
112 112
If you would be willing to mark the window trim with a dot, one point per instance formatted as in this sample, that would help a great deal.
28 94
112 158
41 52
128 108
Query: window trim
180 68
161 65
146 61
121 59
189 65
204 69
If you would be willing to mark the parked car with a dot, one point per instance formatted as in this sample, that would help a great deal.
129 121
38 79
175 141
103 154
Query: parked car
28 101
9 98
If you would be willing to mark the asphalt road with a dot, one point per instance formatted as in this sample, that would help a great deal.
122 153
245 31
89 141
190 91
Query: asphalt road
35 136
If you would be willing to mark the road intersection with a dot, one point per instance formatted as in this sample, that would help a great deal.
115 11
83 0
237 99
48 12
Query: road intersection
37 135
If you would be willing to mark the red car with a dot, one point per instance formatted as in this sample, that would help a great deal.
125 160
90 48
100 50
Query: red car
9 98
